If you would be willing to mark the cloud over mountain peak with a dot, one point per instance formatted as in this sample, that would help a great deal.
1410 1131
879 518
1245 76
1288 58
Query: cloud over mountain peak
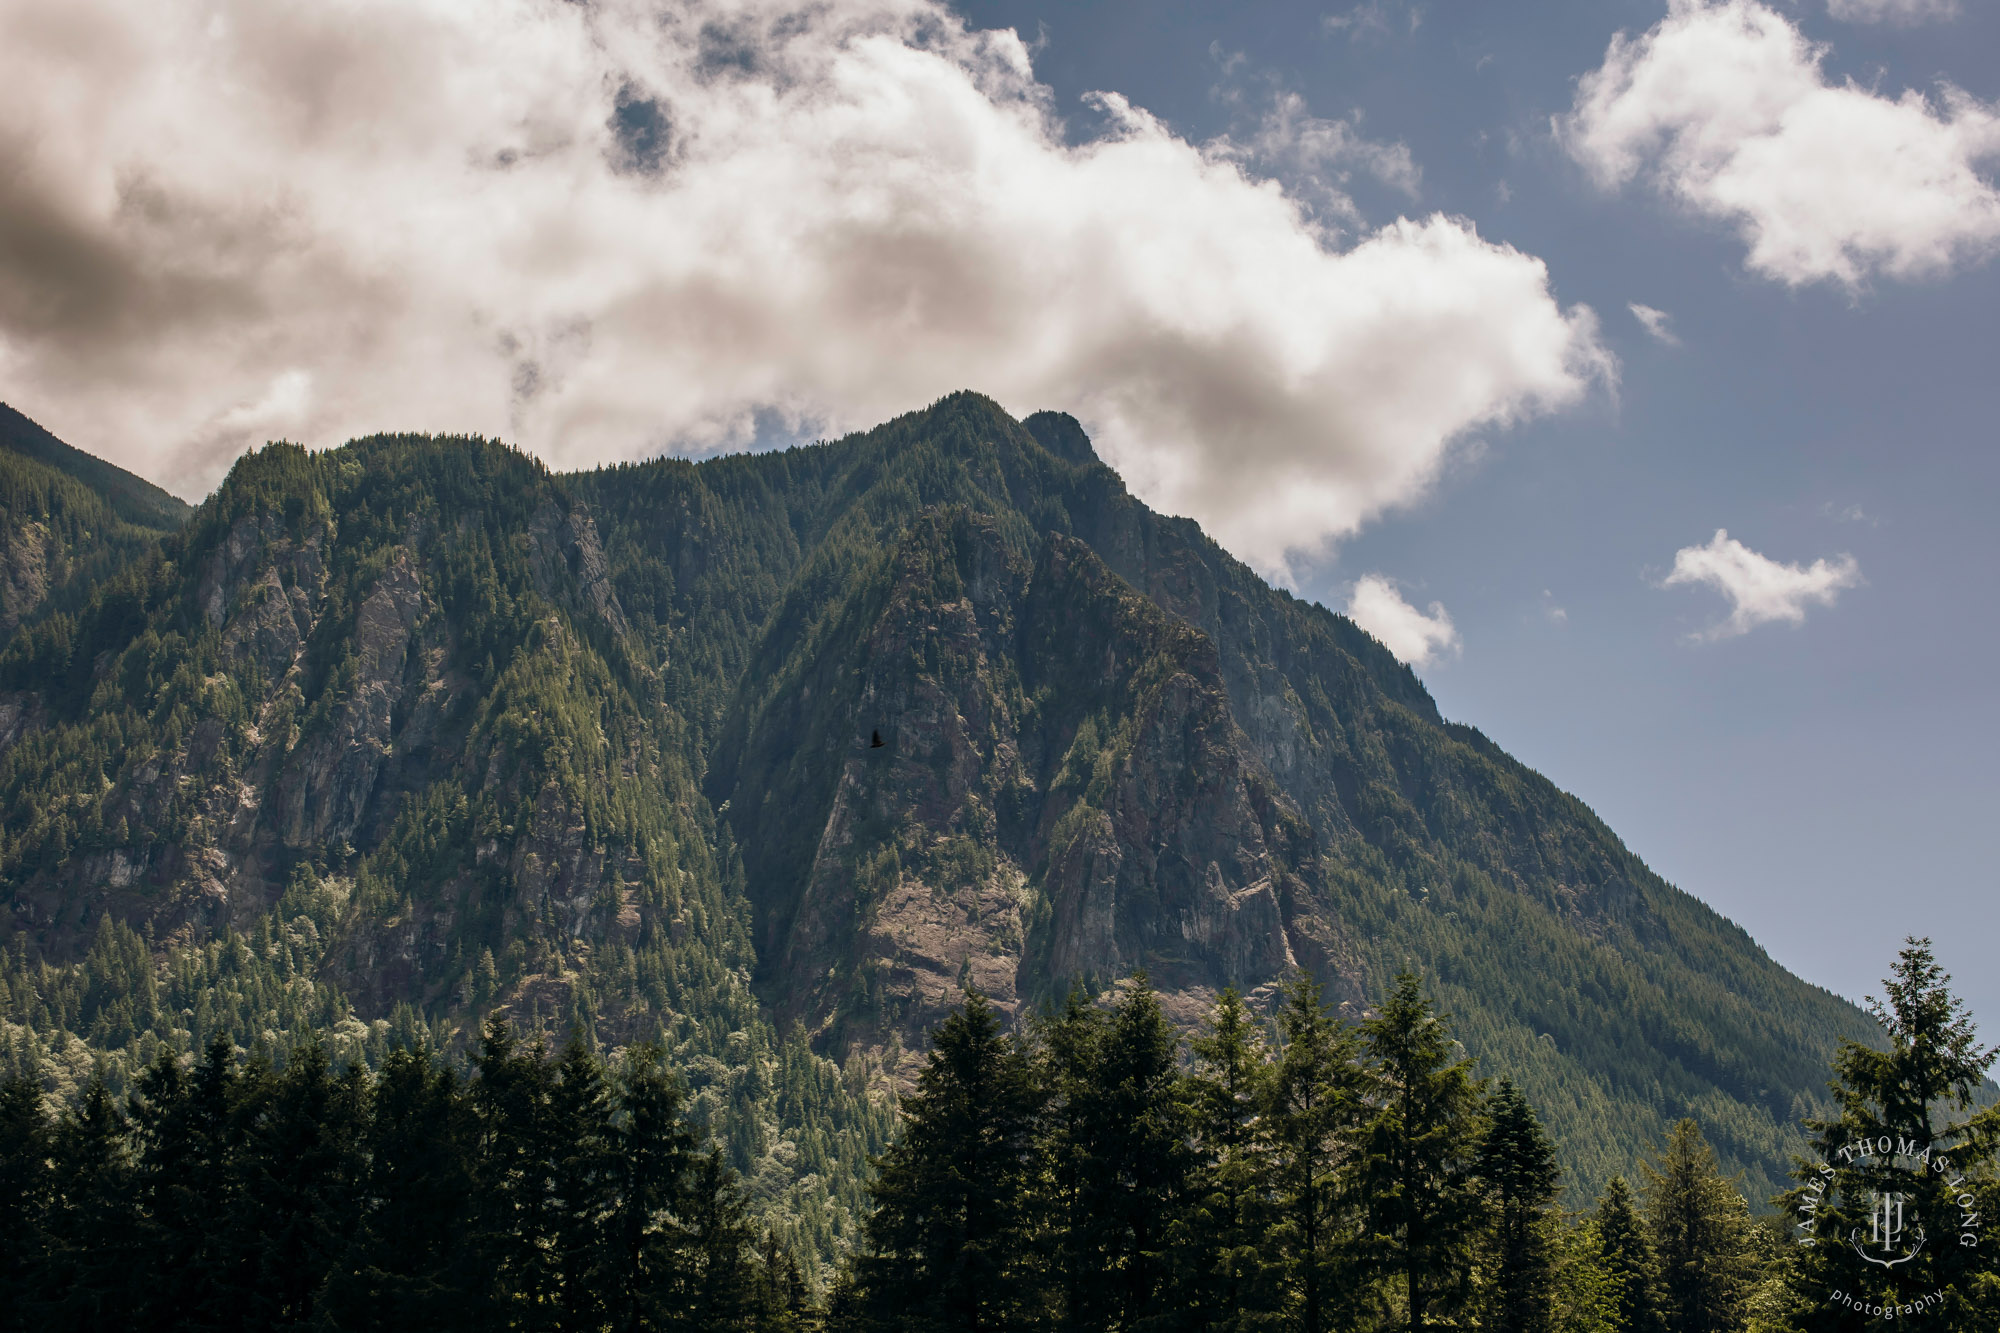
610 229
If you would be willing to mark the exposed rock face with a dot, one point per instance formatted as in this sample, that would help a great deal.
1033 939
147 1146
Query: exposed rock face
340 654
24 571
1059 795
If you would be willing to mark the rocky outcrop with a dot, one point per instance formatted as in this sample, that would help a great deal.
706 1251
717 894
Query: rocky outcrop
1042 785
24 571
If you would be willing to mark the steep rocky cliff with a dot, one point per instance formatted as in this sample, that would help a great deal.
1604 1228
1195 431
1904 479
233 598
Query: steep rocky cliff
768 756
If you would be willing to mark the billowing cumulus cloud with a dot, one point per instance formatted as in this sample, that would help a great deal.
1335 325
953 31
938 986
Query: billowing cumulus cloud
603 230
1760 590
1413 636
1724 106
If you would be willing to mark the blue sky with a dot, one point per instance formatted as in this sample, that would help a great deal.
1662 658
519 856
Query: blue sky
1480 320
1830 785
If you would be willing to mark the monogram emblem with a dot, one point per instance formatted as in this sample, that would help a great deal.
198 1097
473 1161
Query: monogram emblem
1885 1233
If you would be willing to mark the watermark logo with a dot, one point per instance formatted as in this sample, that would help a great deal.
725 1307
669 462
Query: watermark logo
1885 1231
1898 1198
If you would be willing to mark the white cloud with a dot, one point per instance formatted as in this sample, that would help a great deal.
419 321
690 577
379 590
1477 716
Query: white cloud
1294 143
1658 323
1378 607
1760 590
601 230
1891 11
1555 613
1724 106
1374 18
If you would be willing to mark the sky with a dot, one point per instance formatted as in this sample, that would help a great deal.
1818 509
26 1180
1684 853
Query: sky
1627 367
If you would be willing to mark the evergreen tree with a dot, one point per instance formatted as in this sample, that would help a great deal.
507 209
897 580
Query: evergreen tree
300 1199
1700 1229
1584 1294
1312 1120
1418 1169
653 1151
1066 1074
1519 1168
26 1180
582 1181
189 1178
1916 1095
1629 1259
721 1291
1136 1166
92 1246
410 1264
947 1240
517 1223
1226 1284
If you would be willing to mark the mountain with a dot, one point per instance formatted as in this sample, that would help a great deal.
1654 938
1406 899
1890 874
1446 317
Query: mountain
766 756
66 519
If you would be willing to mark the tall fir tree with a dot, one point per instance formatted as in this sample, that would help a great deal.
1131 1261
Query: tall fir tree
93 1245
411 1264
1922 1090
582 1181
190 1147
517 1222
648 1237
26 1182
1418 1171
1629 1259
1065 1066
1135 1173
948 1240
1226 1284
300 1199
1700 1228
721 1291
1312 1122
1518 1166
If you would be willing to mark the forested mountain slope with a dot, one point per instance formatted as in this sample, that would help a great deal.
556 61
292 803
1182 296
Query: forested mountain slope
769 754
66 519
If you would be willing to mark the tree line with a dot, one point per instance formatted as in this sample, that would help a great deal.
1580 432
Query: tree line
1093 1171
544 1191
1091 1175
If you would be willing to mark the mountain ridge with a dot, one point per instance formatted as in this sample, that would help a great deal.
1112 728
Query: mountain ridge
447 734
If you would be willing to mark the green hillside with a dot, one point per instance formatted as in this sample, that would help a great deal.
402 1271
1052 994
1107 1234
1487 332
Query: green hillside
132 498
394 737
67 520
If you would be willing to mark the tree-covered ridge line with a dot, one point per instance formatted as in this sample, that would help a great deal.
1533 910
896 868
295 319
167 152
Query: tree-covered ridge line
415 732
1093 1169
59 534
129 497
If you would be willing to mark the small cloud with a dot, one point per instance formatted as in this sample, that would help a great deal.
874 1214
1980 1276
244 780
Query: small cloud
1415 638
1760 590
1655 322
1849 514
1552 612
1374 18
1504 193
1891 11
